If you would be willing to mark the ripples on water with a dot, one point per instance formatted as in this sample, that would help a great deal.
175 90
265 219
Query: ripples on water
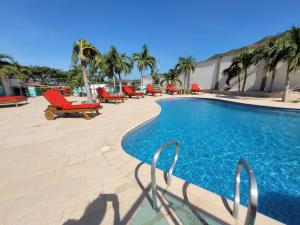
214 135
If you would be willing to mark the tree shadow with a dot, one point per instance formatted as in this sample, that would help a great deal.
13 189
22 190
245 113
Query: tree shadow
96 210
201 214
174 206
173 203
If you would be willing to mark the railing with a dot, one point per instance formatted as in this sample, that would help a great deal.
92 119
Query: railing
169 174
252 193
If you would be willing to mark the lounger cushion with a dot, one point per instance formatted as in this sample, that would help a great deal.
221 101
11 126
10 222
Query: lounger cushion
151 89
13 98
128 91
57 99
103 93
195 87
170 88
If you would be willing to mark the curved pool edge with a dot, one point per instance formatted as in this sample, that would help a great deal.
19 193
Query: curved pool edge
132 128
209 97
179 181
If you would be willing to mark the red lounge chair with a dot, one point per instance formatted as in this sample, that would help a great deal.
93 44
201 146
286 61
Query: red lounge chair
66 91
150 90
195 88
104 96
60 105
171 89
7 100
127 91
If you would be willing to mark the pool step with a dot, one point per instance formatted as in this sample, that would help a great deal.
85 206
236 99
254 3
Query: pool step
248 214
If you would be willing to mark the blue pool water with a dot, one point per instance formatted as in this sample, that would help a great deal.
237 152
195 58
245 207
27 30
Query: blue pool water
213 135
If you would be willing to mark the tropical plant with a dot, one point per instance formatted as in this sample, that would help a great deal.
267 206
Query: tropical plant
124 65
289 51
86 53
271 57
22 73
155 76
172 77
144 60
114 64
107 64
244 60
7 65
75 78
186 65
233 71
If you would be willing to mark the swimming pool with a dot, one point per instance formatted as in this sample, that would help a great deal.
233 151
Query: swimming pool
213 135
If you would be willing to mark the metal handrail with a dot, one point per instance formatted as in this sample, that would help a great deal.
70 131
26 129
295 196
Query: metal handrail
252 193
153 167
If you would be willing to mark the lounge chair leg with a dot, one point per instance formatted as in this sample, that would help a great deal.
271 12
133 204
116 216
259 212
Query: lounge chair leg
97 112
86 116
49 115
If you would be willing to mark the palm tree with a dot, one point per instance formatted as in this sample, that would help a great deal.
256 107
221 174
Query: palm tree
232 71
186 66
155 76
144 60
172 77
7 66
124 65
86 53
75 78
271 57
112 64
244 61
108 64
22 73
5 57
289 50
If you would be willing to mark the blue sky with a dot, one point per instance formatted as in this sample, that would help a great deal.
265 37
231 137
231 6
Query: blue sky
42 32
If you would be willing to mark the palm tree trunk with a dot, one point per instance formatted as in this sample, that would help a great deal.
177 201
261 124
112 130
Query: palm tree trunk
20 87
239 79
287 84
184 82
245 79
141 79
114 81
120 84
11 86
82 91
188 81
86 83
272 81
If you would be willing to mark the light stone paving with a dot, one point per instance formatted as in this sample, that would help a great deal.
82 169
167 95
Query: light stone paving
74 171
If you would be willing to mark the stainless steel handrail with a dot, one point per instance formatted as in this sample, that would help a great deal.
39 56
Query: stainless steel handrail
252 193
153 167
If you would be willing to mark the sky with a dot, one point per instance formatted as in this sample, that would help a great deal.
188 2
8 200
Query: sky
38 32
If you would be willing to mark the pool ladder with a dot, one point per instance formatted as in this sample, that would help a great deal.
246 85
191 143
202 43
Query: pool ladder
252 191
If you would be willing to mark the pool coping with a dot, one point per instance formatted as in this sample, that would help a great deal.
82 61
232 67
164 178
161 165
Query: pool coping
222 212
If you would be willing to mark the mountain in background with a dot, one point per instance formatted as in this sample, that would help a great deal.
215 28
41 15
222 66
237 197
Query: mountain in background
261 43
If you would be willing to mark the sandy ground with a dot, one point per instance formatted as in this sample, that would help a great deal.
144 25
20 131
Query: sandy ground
74 171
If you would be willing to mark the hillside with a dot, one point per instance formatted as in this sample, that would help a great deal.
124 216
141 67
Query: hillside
261 43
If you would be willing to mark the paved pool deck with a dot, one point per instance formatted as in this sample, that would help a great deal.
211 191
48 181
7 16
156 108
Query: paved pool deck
73 171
